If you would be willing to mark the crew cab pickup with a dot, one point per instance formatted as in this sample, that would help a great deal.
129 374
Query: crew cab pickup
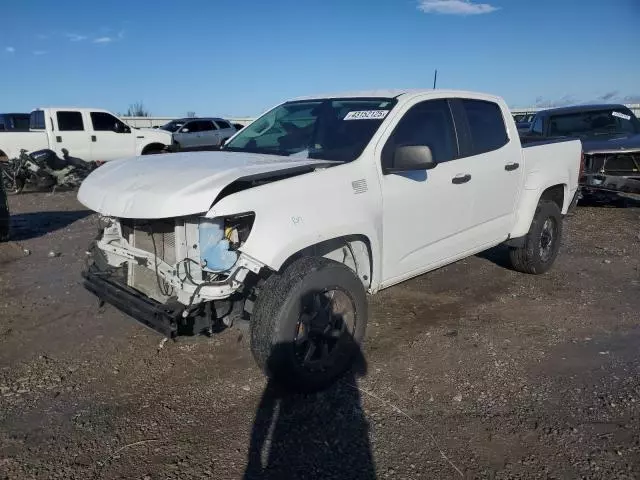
316 203
610 136
87 133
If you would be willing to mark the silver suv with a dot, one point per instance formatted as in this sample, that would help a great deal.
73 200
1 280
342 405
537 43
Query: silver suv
199 133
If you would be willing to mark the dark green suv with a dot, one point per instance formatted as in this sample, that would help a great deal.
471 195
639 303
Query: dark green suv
4 214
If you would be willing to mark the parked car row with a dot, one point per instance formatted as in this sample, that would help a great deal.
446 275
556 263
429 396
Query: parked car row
87 133
98 135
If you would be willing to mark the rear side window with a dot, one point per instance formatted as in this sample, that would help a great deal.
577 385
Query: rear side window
223 124
206 126
70 121
486 125
428 123
36 121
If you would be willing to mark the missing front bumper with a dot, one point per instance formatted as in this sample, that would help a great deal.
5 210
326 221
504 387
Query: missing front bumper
158 317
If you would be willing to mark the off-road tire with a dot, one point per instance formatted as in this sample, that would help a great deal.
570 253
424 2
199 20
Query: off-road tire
528 257
275 319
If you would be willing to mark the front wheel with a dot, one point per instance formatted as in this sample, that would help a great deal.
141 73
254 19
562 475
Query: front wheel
308 323
542 242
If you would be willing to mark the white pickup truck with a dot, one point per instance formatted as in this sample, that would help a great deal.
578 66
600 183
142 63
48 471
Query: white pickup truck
90 134
313 205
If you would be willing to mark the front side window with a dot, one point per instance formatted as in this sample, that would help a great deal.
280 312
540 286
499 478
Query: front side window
486 125
206 126
105 122
70 121
223 124
173 126
327 129
36 120
427 124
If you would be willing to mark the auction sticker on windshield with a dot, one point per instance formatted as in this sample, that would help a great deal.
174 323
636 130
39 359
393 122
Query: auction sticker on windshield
366 115
619 115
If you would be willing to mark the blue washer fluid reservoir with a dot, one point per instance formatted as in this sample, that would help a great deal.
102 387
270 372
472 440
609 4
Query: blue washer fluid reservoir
215 255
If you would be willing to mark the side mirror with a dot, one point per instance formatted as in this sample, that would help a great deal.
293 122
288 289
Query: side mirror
411 157
184 130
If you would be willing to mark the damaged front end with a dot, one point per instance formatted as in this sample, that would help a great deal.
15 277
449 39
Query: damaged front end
609 176
178 276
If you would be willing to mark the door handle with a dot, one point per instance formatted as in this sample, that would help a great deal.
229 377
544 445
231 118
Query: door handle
58 139
458 179
509 167
93 138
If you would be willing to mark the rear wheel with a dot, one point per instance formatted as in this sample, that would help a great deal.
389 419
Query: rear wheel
308 322
542 242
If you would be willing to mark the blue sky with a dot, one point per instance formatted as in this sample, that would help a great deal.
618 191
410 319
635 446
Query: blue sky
222 57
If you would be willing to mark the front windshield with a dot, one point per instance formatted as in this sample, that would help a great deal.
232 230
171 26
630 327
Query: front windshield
173 126
325 129
595 122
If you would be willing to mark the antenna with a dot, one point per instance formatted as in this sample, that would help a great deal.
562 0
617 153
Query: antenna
435 78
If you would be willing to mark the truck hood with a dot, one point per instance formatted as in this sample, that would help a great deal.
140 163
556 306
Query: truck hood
610 144
175 184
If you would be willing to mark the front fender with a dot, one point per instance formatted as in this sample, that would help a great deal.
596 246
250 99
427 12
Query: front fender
299 212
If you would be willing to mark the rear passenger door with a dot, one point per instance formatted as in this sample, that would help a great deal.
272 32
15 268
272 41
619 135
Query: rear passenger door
209 134
70 132
495 166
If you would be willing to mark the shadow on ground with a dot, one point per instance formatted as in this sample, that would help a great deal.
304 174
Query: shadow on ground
25 226
317 436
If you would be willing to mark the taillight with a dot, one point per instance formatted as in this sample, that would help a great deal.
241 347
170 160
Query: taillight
99 162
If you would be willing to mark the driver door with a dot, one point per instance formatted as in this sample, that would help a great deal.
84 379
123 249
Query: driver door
425 213
110 138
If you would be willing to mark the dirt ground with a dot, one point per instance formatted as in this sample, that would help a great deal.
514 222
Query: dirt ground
471 371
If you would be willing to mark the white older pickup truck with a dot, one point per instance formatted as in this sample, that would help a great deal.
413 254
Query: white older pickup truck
90 134
313 205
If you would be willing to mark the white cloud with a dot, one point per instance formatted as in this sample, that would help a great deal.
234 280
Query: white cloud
39 52
455 7
74 37
10 50
103 40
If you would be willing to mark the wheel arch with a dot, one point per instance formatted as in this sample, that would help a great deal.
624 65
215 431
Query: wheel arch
558 193
152 147
354 251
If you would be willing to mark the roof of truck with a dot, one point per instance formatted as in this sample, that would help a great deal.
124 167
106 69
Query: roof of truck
582 108
393 93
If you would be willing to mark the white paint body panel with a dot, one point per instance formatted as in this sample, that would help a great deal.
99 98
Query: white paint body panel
413 223
87 144
172 185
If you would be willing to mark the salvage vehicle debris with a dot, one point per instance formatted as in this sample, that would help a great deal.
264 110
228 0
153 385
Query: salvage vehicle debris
44 170
610 136
315 204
